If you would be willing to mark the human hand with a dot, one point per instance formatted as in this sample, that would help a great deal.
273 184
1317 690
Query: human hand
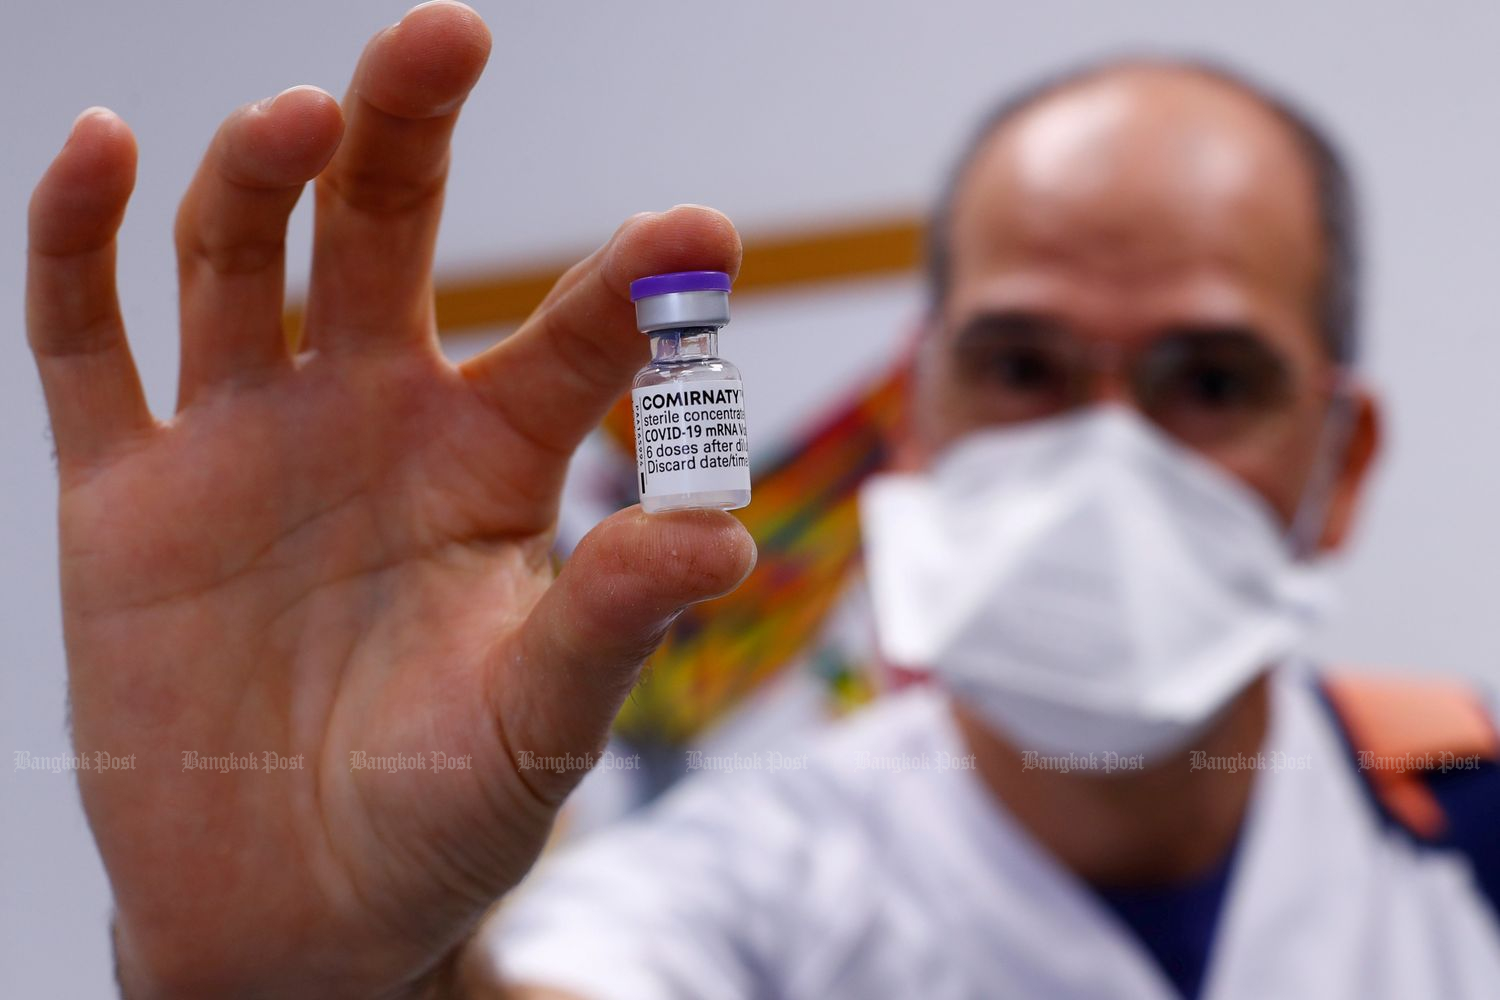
343 550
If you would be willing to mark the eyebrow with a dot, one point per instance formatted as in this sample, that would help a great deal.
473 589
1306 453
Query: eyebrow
1007 322
1028 323
1212 329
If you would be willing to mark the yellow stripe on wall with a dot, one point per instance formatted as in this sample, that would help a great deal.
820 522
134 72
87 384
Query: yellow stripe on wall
773 262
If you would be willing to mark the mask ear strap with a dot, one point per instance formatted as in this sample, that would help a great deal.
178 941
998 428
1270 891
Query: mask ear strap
1333 442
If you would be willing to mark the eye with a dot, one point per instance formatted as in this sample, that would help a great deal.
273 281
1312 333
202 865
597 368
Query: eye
1193 383
1025 368
1216 384
1016 354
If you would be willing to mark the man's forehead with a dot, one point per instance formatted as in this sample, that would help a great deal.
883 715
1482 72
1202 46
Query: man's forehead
1142 170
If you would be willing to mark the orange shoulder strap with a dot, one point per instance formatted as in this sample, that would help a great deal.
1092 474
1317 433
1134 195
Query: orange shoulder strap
1400 728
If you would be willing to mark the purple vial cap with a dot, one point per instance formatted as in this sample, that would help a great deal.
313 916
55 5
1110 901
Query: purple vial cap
678 281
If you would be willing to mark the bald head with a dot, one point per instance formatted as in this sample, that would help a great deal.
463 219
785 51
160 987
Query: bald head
1132 165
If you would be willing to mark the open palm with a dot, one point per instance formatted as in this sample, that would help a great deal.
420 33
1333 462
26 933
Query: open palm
337 562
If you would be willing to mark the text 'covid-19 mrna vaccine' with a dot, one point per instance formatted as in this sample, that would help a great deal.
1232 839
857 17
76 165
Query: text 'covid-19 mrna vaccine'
691 448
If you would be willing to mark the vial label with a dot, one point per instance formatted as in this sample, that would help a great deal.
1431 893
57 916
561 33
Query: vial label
690 437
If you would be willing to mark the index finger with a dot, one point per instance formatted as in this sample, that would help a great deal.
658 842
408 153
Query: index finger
555 377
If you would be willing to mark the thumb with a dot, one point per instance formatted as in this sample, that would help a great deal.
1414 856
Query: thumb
579 652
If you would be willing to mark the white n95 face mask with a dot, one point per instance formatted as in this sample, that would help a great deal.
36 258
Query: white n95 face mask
1086 584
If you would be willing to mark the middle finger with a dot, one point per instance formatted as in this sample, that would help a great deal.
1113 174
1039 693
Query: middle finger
379 201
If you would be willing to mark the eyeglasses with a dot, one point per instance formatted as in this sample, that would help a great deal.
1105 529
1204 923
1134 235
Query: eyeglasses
1204 387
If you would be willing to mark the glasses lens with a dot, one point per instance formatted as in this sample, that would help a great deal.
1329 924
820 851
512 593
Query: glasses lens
1018 371
1206 388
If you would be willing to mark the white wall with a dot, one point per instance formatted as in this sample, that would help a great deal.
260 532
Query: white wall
775 112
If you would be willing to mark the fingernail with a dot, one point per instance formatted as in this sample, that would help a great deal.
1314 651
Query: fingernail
85 113
268 103
632 221
434 3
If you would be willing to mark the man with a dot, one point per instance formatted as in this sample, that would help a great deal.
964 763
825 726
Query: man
1134 413
345 550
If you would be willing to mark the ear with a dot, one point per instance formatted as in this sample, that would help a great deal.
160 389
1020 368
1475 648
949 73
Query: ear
1361 445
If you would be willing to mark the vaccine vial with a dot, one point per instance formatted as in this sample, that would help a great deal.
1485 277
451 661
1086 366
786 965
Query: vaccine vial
691 448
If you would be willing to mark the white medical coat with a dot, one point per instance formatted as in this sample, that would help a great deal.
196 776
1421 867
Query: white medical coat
855 878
